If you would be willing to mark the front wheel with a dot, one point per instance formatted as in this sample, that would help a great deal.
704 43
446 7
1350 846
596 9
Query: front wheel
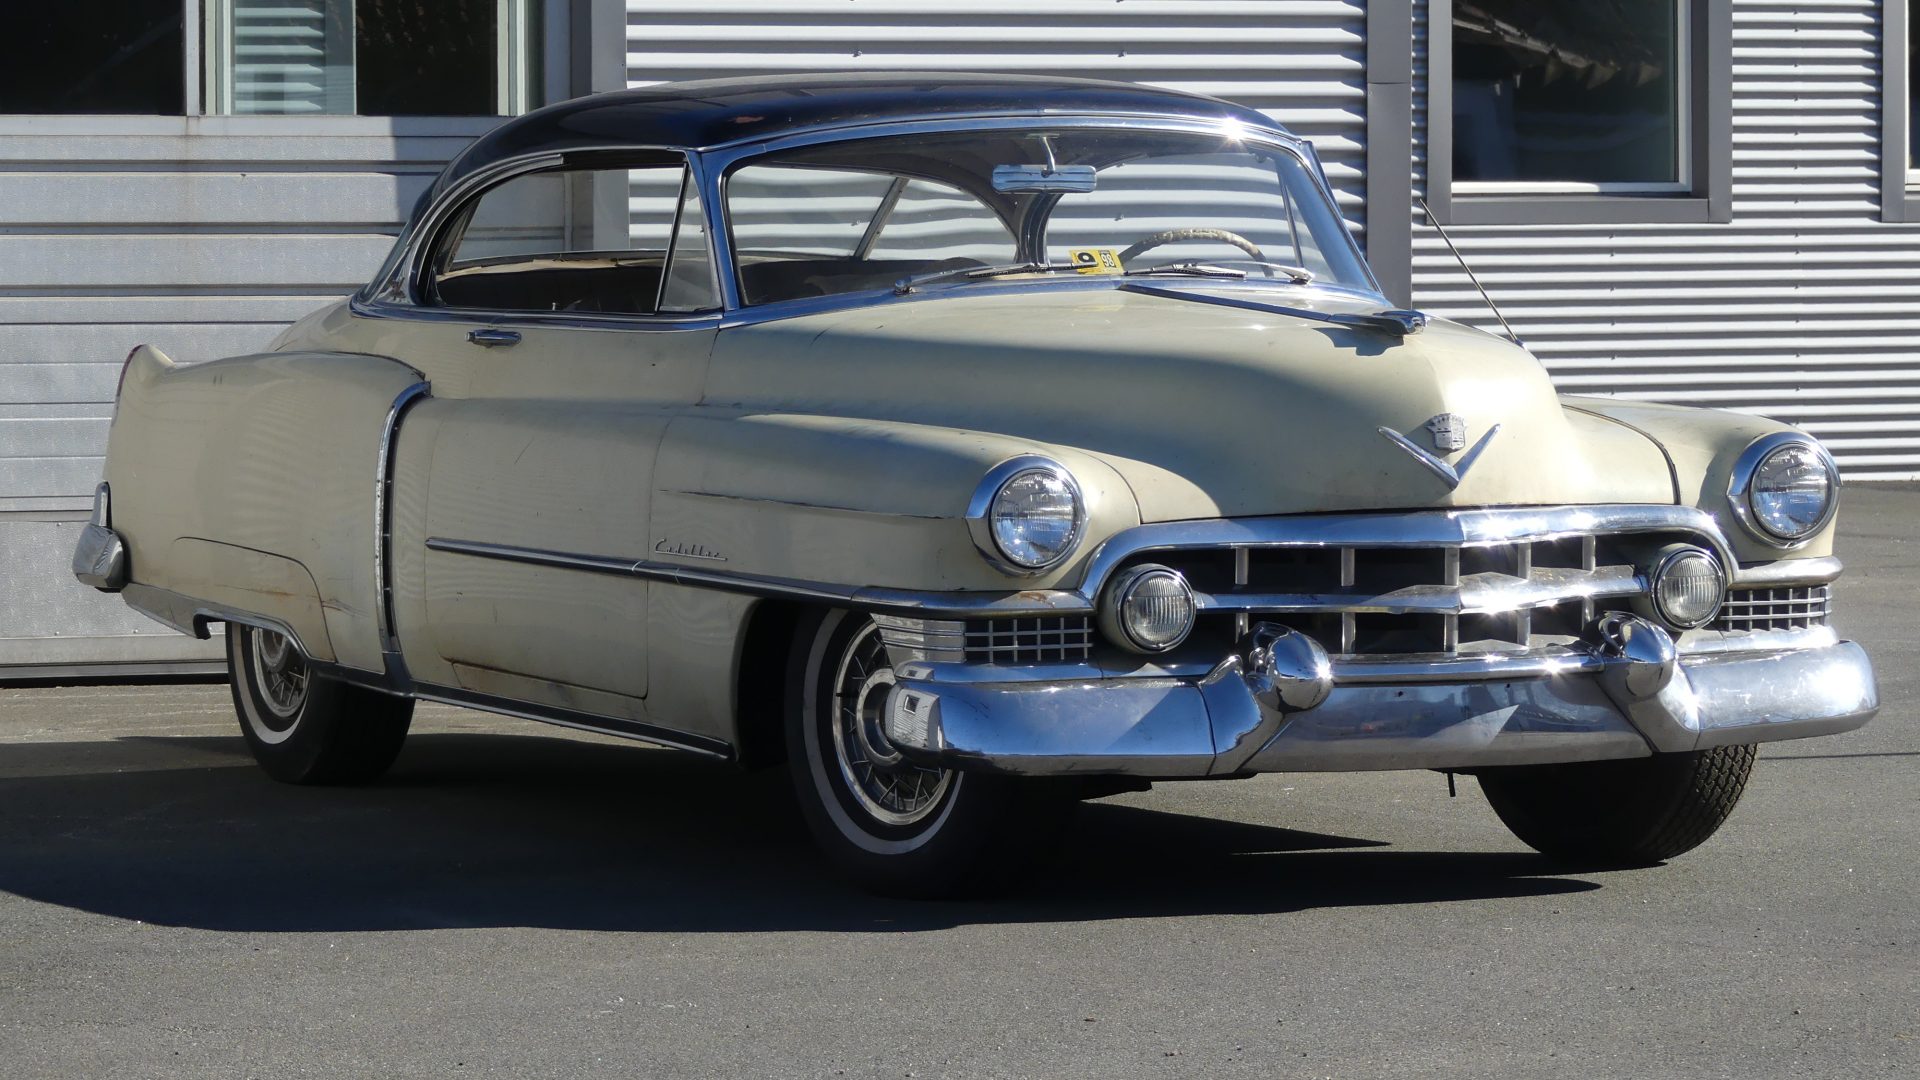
1621 812
898 828
304 728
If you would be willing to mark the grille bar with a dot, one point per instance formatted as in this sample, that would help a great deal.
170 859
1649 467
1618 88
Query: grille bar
1782 608
1035 640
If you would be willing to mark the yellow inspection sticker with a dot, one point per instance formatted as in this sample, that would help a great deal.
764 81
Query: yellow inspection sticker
1095 260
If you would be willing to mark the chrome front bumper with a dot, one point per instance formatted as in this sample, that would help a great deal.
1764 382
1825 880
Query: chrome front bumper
1278 704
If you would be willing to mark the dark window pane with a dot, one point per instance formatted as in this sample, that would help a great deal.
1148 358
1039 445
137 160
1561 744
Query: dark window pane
1567 90
123 56
1913 88
427 57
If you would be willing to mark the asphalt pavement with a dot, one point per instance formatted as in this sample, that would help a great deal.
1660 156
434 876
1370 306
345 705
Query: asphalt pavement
519 901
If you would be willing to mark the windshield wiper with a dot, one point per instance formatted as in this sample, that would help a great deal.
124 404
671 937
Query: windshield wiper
973 273
1300 274
1190 269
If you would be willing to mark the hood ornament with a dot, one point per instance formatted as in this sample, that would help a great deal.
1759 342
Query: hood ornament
1449 434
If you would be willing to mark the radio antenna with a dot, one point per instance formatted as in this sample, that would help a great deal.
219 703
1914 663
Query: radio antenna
1461 259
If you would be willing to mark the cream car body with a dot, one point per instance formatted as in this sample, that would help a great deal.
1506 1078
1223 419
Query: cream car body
613 519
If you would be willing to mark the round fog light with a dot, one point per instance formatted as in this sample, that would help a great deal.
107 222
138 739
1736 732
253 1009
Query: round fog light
1148 609
1688 586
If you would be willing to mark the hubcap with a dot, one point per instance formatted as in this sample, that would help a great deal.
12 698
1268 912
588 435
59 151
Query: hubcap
283 676
889 787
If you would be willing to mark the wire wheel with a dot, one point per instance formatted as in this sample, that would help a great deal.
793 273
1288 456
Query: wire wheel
282 679
888 787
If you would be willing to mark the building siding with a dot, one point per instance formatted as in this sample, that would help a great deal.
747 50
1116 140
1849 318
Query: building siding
1805 307
1303 62
202 236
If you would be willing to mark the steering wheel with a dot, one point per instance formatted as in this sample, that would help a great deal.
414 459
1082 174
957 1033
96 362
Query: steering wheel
1175 236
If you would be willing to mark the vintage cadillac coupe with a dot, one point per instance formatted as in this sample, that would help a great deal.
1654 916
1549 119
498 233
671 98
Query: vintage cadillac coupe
969 444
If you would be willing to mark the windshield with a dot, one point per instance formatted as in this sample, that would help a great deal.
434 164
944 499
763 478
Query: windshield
864 214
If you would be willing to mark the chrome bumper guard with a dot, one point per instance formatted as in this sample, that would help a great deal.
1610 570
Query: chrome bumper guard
1278 703
100 558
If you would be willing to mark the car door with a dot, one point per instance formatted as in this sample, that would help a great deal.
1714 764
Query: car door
564 342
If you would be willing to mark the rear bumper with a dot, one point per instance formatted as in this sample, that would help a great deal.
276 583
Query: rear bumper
1277 704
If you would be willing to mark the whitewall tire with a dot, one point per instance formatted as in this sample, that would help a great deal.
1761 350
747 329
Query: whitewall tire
898 828
304 728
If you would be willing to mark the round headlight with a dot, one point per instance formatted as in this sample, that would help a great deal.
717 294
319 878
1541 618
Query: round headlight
1688 586
1033 516
1148 609
1792 491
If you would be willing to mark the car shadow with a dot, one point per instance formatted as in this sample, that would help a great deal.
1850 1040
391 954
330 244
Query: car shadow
474 830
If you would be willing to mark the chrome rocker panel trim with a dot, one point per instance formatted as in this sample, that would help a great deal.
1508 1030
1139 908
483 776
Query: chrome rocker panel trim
1275 705
195 618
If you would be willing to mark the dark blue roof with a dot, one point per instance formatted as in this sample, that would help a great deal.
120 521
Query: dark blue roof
715 111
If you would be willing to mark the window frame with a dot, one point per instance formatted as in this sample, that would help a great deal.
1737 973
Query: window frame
210 60
1899 179
445 234
561 69
1704 194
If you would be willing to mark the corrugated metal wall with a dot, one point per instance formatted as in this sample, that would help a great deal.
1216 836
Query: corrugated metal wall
1806 307
1300 61
204 237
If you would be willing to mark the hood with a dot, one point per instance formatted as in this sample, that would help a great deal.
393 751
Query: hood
1206 411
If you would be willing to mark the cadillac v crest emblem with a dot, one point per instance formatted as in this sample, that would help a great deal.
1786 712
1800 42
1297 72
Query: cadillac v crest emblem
1449 434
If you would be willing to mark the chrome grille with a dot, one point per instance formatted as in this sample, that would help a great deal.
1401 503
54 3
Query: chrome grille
1783 608
1470 597
1026 640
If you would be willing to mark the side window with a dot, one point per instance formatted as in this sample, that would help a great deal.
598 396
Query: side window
781 210
814 230
608 241
931 220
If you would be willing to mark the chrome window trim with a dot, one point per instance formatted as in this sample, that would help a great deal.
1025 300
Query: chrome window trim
726 158
1740 484
979 515
395 292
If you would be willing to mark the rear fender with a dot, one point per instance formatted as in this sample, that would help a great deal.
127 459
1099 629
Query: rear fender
277 454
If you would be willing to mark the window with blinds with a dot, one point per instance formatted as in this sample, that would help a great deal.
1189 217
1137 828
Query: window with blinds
371 57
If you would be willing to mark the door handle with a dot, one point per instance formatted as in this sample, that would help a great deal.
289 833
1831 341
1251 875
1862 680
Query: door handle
492 338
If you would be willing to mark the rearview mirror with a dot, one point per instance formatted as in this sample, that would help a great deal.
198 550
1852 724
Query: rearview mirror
1032 179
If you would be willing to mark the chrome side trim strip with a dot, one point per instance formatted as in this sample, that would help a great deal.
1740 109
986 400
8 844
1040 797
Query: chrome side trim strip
925 604
383 530
604 725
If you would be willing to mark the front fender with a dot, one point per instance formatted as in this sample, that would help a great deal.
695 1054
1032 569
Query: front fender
1702 445
851 501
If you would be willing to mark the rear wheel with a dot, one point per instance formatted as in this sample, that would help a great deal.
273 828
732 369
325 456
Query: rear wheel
898 828
303 728
1621 812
